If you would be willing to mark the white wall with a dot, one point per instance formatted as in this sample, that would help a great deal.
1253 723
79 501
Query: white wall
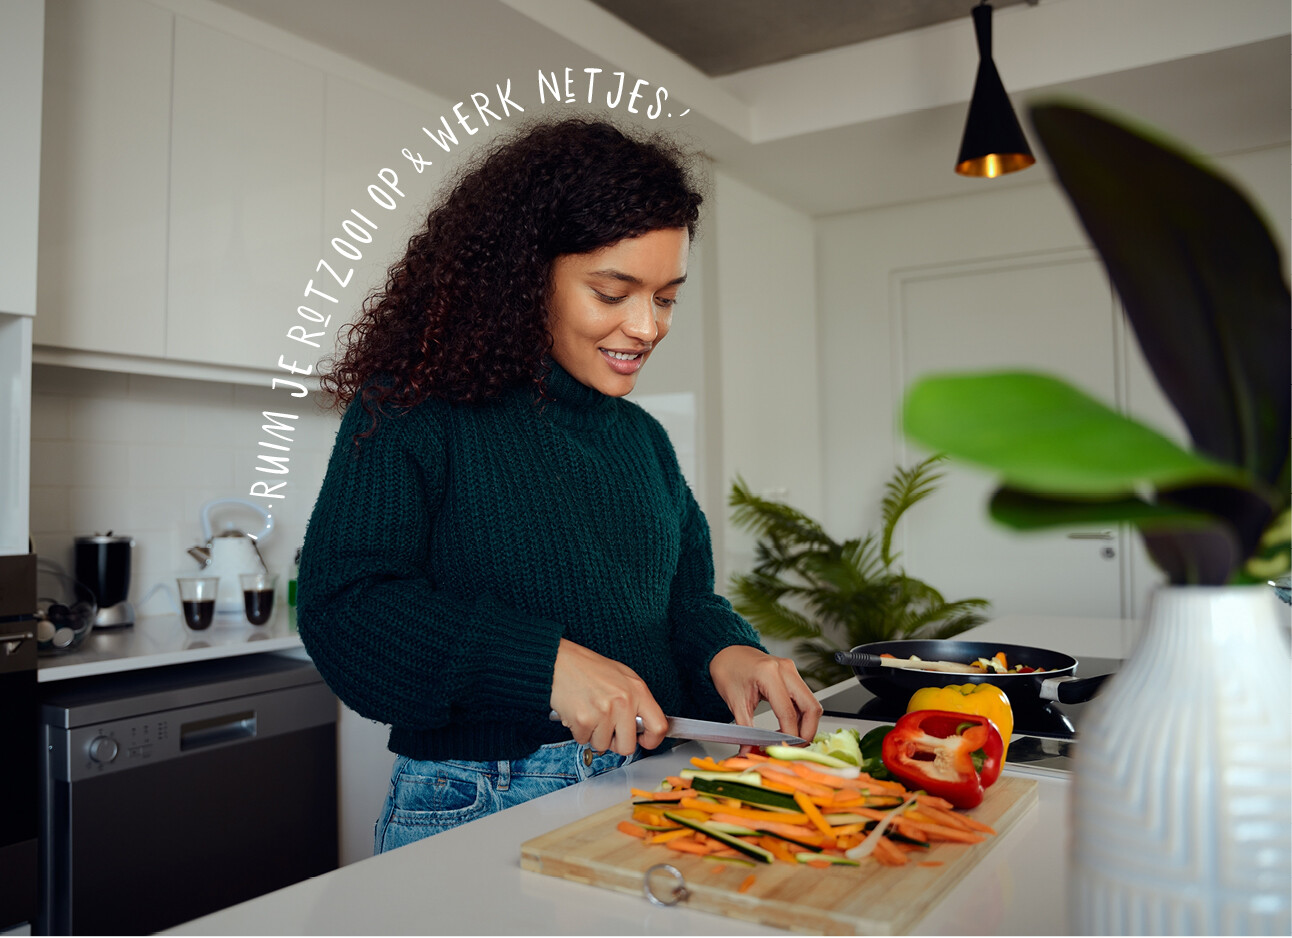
140 455
765 268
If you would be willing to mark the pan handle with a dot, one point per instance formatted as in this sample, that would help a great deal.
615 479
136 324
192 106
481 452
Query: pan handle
1071 690
858 659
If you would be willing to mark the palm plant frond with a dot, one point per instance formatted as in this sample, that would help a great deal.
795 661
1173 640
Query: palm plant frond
832 595
903 490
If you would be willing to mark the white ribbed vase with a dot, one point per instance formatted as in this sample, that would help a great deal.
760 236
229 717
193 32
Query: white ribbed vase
1182 783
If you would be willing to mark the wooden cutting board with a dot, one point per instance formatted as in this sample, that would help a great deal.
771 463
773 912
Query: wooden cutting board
866 900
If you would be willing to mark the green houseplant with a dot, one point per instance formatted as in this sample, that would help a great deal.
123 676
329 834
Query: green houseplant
1183 780
808 587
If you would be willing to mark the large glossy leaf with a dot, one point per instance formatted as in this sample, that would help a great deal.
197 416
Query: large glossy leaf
1043 435
1028 511
1190 546
1198 274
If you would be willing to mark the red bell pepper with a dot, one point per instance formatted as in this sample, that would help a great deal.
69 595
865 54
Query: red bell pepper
934 749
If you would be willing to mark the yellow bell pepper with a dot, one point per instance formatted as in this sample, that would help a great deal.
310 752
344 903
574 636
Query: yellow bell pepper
986 700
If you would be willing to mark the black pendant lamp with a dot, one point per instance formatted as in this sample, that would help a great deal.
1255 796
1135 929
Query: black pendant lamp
993 140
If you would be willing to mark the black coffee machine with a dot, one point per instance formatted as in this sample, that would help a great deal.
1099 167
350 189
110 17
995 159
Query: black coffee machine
103 564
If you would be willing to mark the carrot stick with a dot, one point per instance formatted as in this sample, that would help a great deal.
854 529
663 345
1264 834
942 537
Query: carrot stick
876 785
953 834
843 830
872 813
676 781
886 852
688 846
930 863
665 836
652 817
746 883
738 763
793 781
926 814
819 864
745 814
778 848
951 819
705 764
976 824
799 832
926 800
818 820
631 829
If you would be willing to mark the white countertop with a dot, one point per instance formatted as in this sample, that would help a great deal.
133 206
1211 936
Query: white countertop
469 880
156 641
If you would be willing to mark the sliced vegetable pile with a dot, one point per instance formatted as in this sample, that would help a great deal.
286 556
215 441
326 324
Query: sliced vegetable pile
814 806
996 664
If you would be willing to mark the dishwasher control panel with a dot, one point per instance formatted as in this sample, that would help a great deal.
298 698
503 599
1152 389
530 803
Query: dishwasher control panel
121 745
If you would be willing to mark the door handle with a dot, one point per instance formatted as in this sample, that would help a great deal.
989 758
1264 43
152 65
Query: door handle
1091 535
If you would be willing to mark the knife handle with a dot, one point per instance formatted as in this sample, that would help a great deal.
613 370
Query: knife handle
556 718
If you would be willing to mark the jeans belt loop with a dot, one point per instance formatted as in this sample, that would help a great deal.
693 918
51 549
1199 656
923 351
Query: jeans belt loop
504 776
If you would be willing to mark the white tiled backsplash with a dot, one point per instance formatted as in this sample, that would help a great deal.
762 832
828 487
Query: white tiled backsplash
140 455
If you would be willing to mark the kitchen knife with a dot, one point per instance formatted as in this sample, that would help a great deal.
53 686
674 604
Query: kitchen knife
709 731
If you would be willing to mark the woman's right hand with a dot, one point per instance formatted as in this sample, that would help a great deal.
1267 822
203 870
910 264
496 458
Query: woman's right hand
599 699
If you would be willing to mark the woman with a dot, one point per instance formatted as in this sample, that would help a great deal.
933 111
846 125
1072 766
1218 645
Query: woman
499 534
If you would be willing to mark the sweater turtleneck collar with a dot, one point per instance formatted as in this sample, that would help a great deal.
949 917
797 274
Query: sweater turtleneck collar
575 404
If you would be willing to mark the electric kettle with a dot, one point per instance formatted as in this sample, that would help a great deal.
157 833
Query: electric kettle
230 553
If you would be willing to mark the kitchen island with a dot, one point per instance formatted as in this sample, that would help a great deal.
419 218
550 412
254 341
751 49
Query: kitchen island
469 880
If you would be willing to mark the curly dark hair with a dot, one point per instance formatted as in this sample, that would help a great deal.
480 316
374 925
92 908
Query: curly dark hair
463 315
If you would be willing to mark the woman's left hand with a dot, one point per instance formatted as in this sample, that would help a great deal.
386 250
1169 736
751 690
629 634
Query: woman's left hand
744 675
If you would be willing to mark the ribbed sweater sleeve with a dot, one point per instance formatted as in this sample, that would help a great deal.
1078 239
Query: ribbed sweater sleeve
391 643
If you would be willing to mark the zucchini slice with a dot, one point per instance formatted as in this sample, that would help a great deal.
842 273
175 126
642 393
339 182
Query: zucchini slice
797 754
828 858
750 794
752 851
746 778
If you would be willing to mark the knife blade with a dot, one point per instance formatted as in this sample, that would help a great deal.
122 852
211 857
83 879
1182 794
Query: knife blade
713 732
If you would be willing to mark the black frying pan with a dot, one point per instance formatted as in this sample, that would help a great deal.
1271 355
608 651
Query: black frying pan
1055 681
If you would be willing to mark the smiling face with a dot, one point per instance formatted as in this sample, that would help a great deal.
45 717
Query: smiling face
611 307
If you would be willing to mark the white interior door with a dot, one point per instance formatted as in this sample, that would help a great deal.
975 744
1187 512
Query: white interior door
1052 313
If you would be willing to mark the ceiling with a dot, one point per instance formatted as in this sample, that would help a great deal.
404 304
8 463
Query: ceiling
723 36
816 117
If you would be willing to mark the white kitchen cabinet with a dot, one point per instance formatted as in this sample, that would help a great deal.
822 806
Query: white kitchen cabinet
366 132
104 170
245 197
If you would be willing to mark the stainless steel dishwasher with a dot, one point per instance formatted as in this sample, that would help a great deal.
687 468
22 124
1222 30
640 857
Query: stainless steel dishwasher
174 792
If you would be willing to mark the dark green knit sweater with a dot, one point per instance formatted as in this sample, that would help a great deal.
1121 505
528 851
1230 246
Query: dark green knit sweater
450 553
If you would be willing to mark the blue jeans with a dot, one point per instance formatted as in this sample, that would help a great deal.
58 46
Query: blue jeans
427 798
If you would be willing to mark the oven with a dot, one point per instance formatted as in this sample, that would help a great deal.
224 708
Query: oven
19 772
173 792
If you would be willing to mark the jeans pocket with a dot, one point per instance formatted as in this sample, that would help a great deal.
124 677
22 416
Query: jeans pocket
426 798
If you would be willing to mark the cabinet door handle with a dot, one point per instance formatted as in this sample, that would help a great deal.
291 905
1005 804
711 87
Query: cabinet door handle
1091 535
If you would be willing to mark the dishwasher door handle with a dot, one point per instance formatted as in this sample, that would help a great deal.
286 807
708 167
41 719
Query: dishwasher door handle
215 730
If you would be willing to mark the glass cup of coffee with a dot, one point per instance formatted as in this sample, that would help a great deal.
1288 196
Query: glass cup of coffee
197 597
258 596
